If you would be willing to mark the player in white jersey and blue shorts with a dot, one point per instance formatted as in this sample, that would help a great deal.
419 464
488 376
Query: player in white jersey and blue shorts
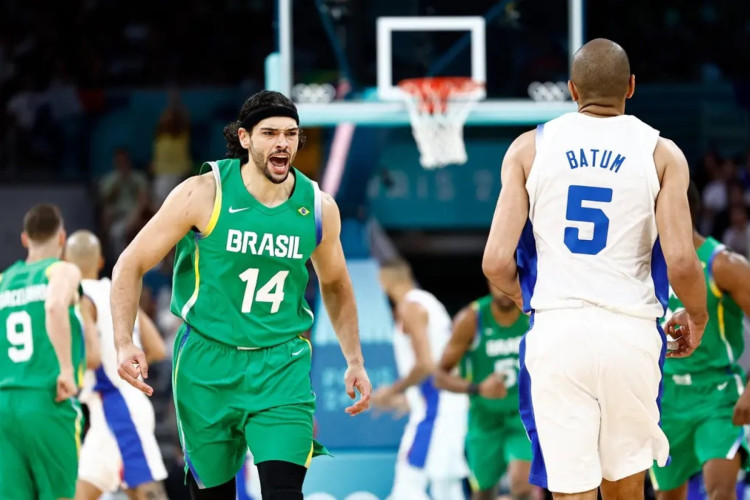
431 453
591 226
120 449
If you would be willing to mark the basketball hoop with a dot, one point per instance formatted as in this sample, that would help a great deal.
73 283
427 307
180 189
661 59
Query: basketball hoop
438 108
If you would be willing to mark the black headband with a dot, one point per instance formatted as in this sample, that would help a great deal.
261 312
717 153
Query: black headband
253 118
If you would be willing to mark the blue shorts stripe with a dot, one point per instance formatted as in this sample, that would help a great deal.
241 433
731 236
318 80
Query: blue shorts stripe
189 465
538 474
662 357
136 470
526 262
417 455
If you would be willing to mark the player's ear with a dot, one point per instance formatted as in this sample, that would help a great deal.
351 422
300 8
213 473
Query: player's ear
631 87
573 91
101 263
61 237
25 239
244 136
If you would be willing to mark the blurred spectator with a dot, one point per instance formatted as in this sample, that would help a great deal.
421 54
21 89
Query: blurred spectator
744 174
737 236
708 168
735 198
172 161
124 196
715 195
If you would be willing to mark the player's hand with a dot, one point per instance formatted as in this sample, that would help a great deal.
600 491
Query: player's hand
493 387
385 398
400 406
687 332
131 363
741 414
356 378
66 385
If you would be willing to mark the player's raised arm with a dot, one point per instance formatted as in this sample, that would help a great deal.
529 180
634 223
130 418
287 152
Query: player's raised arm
338 297
90 334
188 205
464 329
511 213
675 229
64 279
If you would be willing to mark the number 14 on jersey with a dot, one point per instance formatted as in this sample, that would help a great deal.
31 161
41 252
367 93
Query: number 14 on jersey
272 292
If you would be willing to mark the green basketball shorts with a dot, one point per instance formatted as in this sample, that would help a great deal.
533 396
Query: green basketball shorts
489 450
697 420
39 446
228 400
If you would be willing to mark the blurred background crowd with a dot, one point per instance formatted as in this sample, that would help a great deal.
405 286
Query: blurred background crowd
110 95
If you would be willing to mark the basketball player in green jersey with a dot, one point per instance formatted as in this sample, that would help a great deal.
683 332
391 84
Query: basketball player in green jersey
42 362
705 402
485 341
241 376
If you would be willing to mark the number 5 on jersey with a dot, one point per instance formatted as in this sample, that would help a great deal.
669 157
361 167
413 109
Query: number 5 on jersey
509 369
272 291
576 212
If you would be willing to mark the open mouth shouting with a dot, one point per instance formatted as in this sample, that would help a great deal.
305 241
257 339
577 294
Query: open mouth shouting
279 163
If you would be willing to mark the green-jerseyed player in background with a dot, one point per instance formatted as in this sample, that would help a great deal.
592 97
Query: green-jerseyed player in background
244 232
485 340
42 362
705 403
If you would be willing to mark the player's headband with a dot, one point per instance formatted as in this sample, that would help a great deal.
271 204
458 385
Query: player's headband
253 118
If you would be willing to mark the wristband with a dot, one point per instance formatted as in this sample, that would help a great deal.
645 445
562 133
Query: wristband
473 388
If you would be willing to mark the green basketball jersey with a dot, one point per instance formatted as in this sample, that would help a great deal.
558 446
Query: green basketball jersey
495 349
27 358
722 342
242 282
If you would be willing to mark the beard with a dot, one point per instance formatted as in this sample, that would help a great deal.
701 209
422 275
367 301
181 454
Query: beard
261 163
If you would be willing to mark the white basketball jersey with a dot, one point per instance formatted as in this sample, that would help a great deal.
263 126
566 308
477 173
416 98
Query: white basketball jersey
105 377
592 191
421 398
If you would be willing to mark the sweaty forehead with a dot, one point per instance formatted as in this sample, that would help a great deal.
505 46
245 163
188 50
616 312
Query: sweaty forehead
277 123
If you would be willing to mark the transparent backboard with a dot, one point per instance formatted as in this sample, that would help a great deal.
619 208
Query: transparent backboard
330 52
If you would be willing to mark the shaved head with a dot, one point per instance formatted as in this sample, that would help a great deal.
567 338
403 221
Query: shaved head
601 69
84 250
395 274
396 269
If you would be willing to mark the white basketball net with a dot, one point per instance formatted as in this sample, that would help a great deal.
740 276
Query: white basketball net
438 108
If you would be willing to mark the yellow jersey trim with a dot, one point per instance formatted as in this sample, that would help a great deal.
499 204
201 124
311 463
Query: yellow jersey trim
306 340
78 426
50 267
654 482
217 200
309 455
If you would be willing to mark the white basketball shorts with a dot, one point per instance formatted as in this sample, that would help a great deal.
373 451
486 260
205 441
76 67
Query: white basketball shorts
432 446
120 447
590 385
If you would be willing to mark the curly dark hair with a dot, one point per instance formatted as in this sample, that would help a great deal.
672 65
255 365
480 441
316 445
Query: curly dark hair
256 101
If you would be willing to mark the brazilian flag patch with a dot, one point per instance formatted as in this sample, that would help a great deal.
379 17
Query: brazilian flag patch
303 211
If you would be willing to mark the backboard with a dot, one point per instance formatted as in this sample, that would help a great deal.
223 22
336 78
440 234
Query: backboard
342 59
